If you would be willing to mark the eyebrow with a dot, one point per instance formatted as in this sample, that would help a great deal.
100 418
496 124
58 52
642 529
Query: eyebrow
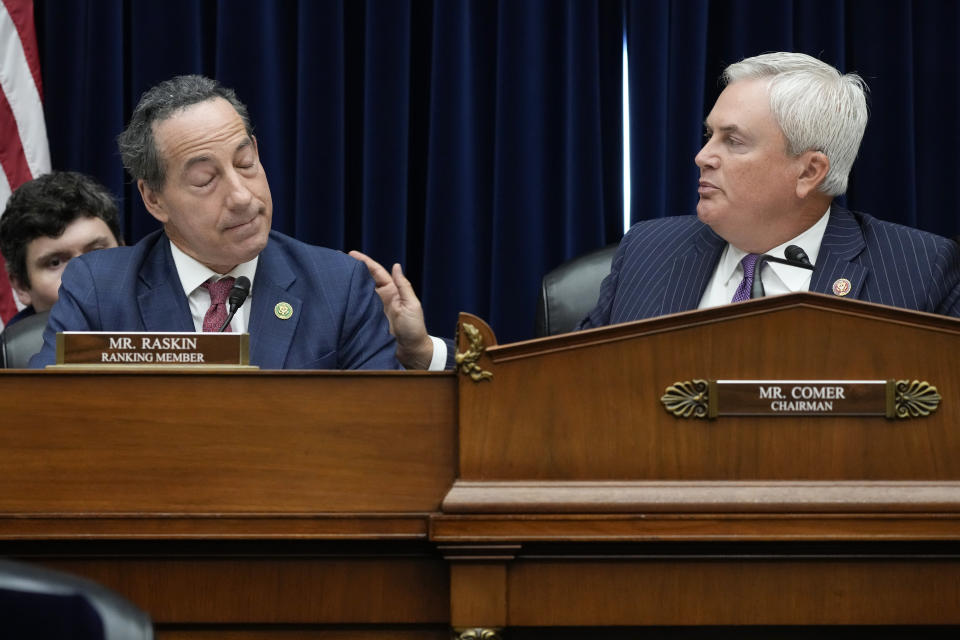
43 257
246 142
730 128
98 240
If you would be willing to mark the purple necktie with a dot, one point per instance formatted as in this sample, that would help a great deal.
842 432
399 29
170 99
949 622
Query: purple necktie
746 285
217 313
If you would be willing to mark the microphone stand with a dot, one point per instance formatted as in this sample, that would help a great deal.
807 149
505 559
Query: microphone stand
799 260
239 293
233 312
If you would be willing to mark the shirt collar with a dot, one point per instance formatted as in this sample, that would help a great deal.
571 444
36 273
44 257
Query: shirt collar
193 273
809 241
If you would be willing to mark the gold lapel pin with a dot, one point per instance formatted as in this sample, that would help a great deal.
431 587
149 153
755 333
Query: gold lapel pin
284 311
841 287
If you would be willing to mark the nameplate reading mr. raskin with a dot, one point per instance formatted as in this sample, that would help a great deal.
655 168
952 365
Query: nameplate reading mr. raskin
102 347
802 397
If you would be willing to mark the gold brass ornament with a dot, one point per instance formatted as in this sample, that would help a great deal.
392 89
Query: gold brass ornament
479 633
283 310
467 360
842 287
915 399
690 398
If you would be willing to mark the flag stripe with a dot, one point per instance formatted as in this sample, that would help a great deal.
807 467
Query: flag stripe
19 84
8 303
21 13
12 156
24 152
5 190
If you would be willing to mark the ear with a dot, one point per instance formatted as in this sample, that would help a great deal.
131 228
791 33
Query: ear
814 168
22 294
152 201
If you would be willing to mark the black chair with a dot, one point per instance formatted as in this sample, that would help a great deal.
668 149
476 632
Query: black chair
20 341
570 291
41 604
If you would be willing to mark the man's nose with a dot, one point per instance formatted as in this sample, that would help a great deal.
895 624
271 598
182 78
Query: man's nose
706 158
239 194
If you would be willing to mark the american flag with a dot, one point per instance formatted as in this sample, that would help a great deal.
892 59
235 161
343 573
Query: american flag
24 153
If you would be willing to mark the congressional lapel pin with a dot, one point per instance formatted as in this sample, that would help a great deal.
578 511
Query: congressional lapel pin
841 287
284 311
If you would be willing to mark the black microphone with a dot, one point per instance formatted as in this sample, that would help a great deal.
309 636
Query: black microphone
795 257
238 293
794 253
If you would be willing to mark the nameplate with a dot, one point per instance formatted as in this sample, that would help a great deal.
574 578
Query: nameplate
107 348
888 398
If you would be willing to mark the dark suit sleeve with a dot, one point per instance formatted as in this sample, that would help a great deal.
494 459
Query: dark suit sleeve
600 316
451 353
365 340
74 311
948 267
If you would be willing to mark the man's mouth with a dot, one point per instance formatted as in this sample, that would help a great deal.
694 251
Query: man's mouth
707 187
240 225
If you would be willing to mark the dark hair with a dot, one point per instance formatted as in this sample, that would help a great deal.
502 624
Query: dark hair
44 207
137 145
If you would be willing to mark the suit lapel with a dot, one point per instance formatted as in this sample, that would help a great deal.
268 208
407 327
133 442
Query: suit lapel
271 335
691 270
842 242
162 303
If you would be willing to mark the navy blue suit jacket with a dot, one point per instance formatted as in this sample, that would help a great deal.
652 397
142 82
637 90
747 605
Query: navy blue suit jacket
663 266
337 322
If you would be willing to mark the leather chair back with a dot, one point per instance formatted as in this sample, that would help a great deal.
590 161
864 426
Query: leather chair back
42 604
20 341
569 292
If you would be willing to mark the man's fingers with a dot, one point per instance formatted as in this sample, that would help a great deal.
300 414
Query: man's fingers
383 278
407 294
380 275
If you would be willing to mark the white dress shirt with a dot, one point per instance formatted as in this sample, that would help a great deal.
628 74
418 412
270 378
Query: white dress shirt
193 274
439 361
777 278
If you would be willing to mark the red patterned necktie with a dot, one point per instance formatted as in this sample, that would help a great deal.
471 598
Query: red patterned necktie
746 285
217 313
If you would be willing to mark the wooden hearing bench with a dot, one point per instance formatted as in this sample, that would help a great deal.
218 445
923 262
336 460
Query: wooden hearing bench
558 487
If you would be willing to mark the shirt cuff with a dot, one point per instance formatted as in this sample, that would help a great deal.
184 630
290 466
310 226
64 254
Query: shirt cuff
439 360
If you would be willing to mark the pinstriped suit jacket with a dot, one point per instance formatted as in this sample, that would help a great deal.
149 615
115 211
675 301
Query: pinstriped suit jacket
663 266
337 321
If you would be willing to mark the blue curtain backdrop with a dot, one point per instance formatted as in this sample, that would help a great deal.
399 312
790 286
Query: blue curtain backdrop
480 143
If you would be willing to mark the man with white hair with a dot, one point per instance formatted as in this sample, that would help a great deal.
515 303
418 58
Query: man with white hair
780 142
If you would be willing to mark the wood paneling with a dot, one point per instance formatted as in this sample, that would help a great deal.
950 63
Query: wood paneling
737 591
149 443
586 406
252 590
558 494
478 591
232 504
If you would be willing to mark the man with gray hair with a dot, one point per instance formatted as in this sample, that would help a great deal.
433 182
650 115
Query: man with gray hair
780 142
191 150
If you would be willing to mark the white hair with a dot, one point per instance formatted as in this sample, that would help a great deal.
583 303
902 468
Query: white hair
816 107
